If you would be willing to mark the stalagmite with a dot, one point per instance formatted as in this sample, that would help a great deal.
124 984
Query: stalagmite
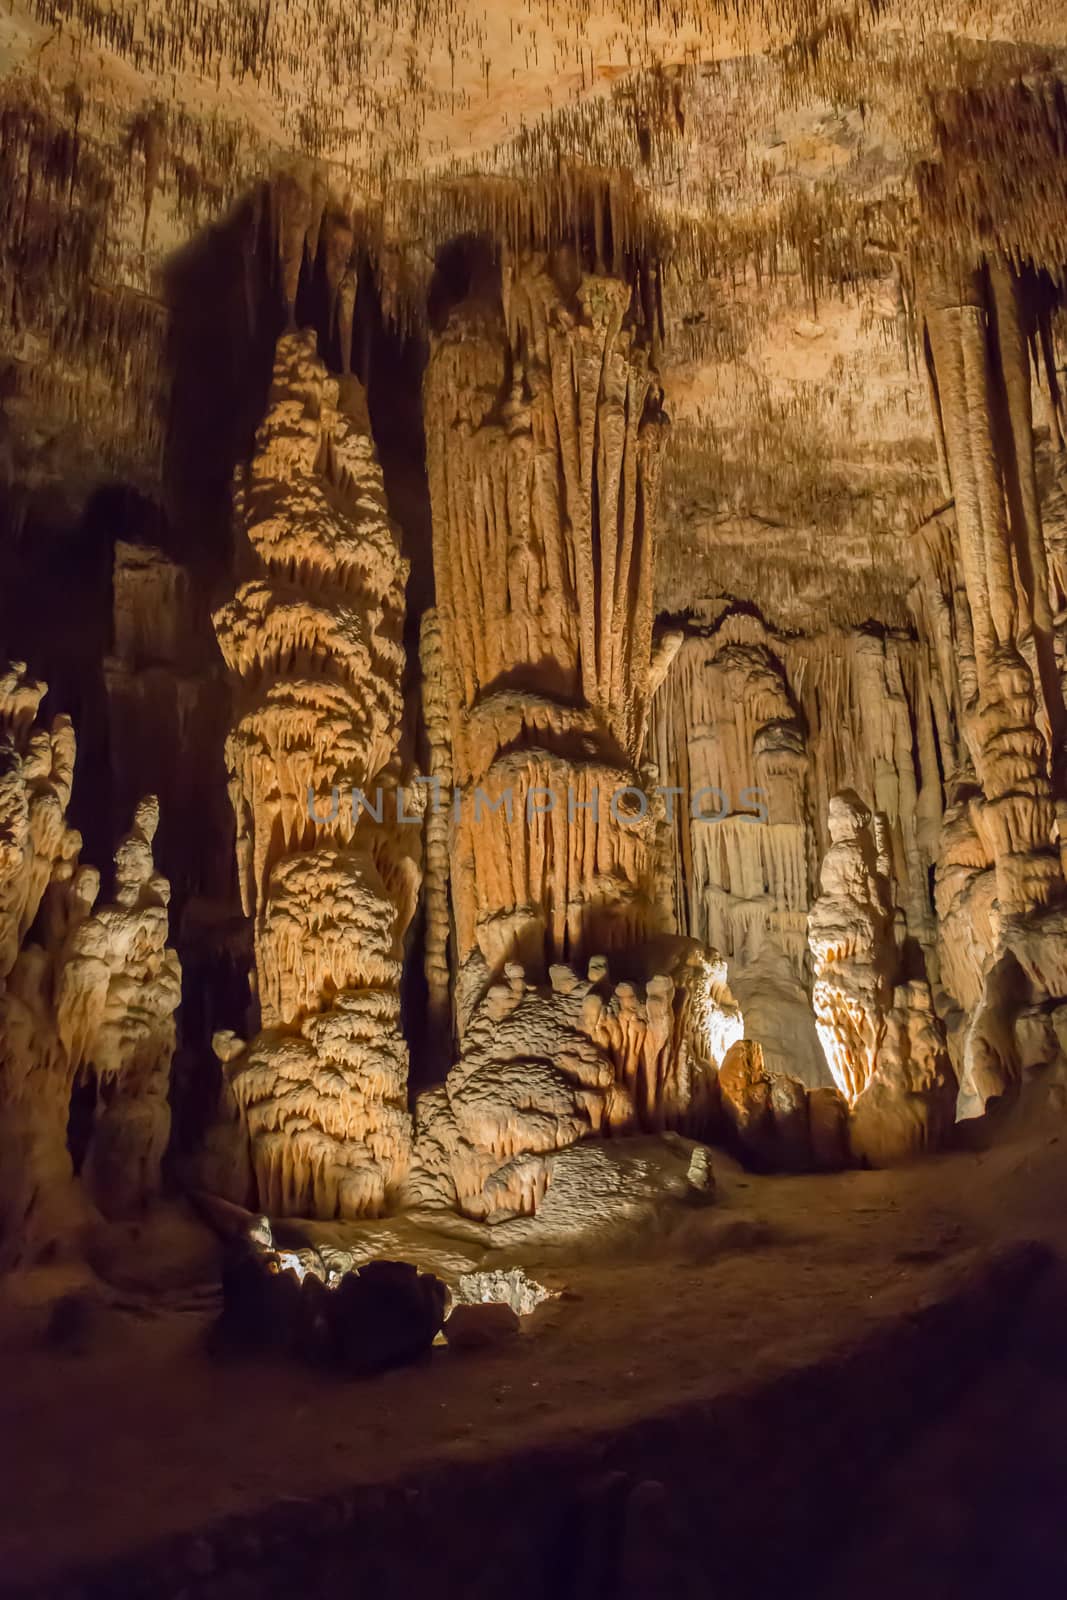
754 732
883 1041
544 1066
327 835
544 431
90 993
657 665
116 994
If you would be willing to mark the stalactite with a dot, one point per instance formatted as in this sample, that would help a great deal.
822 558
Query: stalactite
974 336
435 698
543 433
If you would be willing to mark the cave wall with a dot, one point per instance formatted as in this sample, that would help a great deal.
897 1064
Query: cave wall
759 508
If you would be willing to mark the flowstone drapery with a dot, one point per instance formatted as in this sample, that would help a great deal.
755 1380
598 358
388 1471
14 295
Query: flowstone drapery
544 430
327 862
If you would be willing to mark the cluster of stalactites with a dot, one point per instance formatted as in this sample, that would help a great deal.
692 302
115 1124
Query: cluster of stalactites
757 730
544 432
1000 874
998 184
544 435
728 738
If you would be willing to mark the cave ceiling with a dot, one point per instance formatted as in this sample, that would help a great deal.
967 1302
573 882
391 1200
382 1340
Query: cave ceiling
770 155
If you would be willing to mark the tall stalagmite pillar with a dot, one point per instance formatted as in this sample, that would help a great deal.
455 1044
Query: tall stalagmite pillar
313 639
544 432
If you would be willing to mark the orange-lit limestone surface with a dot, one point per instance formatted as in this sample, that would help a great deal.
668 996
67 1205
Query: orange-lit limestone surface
85 991
543 1066
883 1041
313 640
544 435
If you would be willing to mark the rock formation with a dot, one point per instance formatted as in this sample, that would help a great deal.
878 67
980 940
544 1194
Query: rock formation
1000 885
326 851
755 731
543 1067
883 1041
775 1122
544 432
167 706
84 993
621 692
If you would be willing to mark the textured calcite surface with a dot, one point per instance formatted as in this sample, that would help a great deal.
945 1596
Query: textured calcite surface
544 1066
883 1041
544 433
327 863
86 992
568 513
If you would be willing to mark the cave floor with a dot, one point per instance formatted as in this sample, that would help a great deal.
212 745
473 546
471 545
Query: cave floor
863 1370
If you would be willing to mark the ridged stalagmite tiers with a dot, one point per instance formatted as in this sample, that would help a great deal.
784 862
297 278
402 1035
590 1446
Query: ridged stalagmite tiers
84 993
313 640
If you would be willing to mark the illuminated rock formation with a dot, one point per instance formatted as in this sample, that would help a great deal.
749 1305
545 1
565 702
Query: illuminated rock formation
775 1122
755 731
982 374
326 851
1000 885
883 1042
850 932
831 251
116 994
544 431
92 994
435 697
545 1066
36 772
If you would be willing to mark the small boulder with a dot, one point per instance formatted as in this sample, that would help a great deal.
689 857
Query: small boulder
481 1327
73 1323
385 1315
828 1124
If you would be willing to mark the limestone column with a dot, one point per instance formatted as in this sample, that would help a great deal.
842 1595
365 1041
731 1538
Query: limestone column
326 859
544 430
982 391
